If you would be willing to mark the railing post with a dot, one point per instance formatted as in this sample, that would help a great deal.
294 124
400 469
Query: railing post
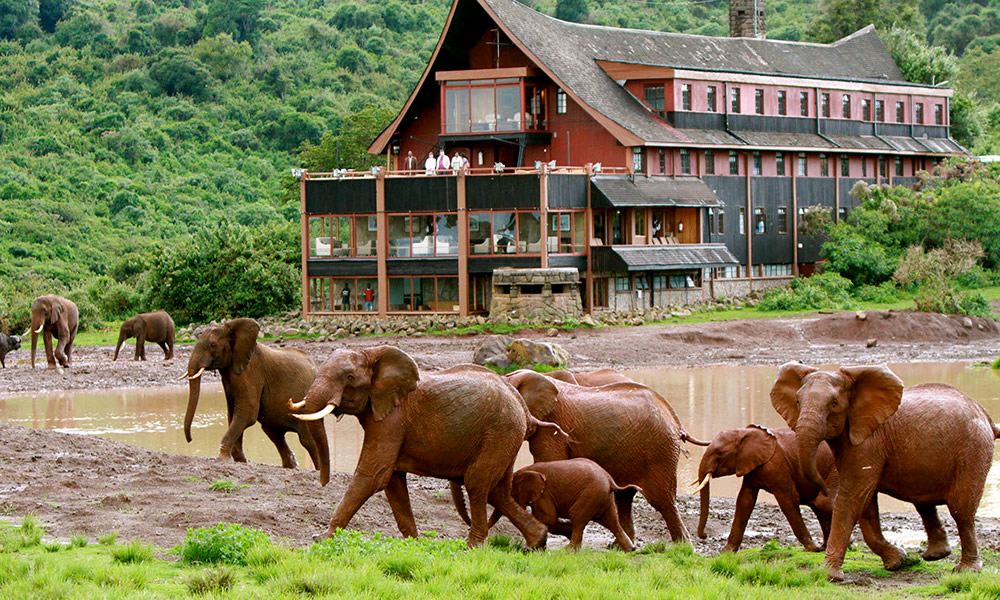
304 218
463 244
382 239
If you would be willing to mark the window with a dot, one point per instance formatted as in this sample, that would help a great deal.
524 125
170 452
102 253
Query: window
566 232
423 235
881 166
779 163
435 294
899 166
743 221
918 113
711 98
560 101
824 166
655 98
866 109
803 166
782 219
879 111
709 162
685 162
846 101
637 160
622 284
842 214
824 104
505 232
758 101
845 166
483 105
804 104
711 221
734 165
721 221
659 282
938 116
782 102
342 236
864 166
899 112
759 226
326 293
686 96
774 270
662 155
756 163
734 96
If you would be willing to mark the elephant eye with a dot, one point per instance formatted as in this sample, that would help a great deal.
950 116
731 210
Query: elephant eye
350 377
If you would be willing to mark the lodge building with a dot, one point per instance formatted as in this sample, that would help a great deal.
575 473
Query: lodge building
667 168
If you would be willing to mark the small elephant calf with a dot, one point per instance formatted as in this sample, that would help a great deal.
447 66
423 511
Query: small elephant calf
565 495
7 344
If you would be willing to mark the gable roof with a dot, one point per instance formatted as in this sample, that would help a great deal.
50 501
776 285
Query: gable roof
570 53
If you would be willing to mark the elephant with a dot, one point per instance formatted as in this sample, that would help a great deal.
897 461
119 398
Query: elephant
767 460
54 315
627 428
577 489
155 327
929 444
259 382
465 424
591 379
8 343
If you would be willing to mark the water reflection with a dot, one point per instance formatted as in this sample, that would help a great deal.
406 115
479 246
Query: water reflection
710 399
707 400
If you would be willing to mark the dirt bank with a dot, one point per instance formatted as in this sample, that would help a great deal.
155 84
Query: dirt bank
84 484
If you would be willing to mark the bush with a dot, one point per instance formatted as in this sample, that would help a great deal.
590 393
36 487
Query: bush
134 552
225 543
823 291
885 292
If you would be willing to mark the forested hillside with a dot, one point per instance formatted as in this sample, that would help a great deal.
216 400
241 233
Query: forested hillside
145 144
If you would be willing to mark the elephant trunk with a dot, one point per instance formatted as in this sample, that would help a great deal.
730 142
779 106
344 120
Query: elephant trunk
121 340
808 442
703 513
34 344
194 392
318 432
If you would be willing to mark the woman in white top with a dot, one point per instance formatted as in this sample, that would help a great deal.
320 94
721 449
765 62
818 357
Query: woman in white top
430 164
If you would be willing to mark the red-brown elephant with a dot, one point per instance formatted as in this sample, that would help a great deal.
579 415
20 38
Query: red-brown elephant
929 444
465 424
590 379
54 316
627 428
767 460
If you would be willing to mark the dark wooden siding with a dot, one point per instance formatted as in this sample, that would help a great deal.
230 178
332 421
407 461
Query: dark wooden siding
580 262
488 263
774 124
343 268
770 193
697 120
567 191
503 192
732 191
346 196
405 194
422 266
894 129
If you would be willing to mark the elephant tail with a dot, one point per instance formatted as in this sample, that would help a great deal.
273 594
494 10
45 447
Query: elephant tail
493 518
534 425
458 497
687 437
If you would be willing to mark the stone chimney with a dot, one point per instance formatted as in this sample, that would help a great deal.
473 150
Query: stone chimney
746 18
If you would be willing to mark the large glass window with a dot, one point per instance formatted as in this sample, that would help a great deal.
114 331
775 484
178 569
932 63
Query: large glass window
709 162
423 235
342 236
560 101
566 232
505 232
435 294
342 294
483 105
655 97
685 162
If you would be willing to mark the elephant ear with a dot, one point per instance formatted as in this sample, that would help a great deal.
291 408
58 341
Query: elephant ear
56 312
784 392
244 335
394 375
875 395
756 448
539 391
530 486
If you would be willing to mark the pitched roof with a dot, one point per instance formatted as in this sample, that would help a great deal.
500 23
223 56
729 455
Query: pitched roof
570 51
620 190
664 258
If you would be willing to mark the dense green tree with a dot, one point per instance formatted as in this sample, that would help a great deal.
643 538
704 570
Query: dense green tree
239 18
840 18
15 14
572 10
919 62
177 72
50 12
224 57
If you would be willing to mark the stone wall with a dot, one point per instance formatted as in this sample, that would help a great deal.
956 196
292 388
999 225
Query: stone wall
536 294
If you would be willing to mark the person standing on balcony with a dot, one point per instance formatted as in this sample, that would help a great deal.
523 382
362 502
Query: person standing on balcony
430 163
369 298
345 298
457 163
444 163
410 163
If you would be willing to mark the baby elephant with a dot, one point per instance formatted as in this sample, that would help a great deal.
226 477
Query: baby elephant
767 460
565 495
155 327
7 344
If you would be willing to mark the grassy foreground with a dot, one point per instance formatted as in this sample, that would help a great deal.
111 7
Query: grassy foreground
229 561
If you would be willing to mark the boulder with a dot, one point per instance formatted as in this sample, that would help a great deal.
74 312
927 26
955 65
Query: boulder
493 350
527 352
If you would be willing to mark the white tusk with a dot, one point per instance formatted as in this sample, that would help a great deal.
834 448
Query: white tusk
316 416
704 482
182 377
296 405
198 374
40 327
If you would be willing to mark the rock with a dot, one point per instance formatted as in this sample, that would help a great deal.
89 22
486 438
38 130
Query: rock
967 323
861 315
871 343
588 321
493 350
552 332
527 352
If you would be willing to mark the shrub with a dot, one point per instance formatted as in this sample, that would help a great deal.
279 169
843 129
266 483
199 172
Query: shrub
826 290
225 543
220 578
134 552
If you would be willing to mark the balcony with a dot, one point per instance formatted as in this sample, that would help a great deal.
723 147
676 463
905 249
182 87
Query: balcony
481 103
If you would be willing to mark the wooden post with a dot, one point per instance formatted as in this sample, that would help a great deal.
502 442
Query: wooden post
543 203
795 223
382 239
463 246
589 232
749 225
304 218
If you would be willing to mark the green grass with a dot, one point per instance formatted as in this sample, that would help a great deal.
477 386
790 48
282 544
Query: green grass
355 564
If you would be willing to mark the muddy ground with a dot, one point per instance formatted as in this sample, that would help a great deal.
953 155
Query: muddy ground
81 484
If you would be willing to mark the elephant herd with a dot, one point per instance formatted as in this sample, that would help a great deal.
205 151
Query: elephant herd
597 439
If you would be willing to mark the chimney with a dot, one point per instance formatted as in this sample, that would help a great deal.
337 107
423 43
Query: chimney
746 18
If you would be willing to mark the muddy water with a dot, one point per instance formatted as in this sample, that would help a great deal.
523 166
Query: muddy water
707 400
711 399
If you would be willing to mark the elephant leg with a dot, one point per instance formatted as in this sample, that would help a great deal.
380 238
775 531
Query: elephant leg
746 500
50 358
399 500
623 504
371 476
663 497
789 505
69 352
962 506
610 521
61 345
277 437
822 507
534 532
231 446
871 528
937 539
576 535
168 353
847 509
140 347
